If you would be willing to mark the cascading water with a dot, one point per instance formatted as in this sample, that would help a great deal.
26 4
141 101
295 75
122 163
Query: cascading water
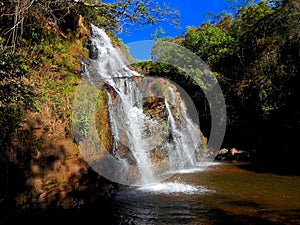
152 132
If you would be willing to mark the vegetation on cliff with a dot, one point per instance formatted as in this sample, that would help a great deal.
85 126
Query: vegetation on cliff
255 57
41 45
258 62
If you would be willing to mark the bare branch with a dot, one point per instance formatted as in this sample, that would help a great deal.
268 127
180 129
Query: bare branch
141 12
117 15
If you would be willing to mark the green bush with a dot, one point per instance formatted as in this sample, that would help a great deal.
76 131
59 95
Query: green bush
15 95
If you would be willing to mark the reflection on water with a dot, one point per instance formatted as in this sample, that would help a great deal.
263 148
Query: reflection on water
221 194
156 209
173 188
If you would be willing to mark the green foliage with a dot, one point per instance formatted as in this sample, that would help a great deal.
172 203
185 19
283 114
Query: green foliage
101 121
209 42
259 79
248 17
265 39
236 5
256 57
16 95
90 115
160 35
99 17
54 68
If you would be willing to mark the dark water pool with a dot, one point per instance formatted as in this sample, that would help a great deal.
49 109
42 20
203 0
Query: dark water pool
221 194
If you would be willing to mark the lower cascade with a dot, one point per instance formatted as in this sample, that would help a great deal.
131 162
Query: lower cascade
153 133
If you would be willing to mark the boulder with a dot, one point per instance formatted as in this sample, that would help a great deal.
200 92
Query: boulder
233 154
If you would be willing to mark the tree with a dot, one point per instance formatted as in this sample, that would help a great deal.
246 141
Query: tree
260 78
209 42
256 56
19 18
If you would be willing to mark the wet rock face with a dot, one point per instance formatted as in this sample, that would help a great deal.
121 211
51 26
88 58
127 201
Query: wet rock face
109 89
156 94
154 102
155 107
94 51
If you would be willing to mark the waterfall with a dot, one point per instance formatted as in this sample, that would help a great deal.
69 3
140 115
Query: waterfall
151 129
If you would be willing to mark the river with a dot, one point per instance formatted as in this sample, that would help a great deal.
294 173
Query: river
223 193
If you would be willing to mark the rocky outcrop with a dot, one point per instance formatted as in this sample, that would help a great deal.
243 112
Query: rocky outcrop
233 154
155 107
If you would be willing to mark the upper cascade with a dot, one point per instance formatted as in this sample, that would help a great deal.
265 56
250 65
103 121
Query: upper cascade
105 58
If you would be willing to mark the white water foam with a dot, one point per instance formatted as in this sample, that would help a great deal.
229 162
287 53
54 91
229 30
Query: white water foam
184 171
198 168
173 188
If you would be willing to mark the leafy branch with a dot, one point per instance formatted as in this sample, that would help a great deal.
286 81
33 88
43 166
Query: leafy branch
19 17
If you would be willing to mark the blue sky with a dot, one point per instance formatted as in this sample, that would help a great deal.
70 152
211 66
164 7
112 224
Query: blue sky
192 13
